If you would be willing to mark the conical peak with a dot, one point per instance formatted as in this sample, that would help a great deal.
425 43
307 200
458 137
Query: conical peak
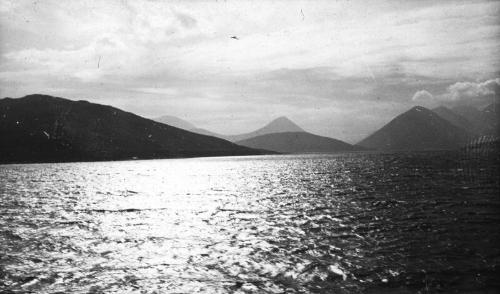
419 108
283 124
282 119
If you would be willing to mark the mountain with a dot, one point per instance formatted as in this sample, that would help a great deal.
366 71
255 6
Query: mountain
490 116
40 128
175 122
484 122
469 112
297 142
280 125
454 118
473 115
417 129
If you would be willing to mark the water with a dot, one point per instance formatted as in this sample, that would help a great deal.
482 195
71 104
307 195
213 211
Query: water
372 223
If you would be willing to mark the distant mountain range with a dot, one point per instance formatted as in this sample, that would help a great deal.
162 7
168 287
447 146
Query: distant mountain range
40 128
298 142
284 136
279 125
417 129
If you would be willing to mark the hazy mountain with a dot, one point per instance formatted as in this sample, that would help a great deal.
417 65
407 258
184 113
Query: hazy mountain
454 118
469 112
417 129
280 125
175 122
490 116
40 128
484 122
297 142
472 114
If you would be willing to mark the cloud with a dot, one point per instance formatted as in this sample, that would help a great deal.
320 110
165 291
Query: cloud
196 35
163 91
471 91
423 96
464 93
7 5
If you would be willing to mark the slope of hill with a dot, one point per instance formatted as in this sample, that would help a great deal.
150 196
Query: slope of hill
469 112
207 133
472 114
454 118
417 129
40 128
491 124
175 122
484 122
297 142
280 125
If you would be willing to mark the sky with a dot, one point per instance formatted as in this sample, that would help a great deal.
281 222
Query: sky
337 68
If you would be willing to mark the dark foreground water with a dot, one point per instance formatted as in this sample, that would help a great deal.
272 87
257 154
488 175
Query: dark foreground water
371 223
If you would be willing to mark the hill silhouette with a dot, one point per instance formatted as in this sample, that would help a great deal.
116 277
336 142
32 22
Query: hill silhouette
417 129
297 142
40 128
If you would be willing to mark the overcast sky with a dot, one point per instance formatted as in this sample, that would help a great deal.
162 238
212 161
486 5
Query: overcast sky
336 68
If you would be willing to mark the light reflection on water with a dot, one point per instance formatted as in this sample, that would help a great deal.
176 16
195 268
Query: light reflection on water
311 223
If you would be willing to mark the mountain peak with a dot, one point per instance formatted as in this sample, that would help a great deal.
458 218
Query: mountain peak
419 108
280 125
38 97
417 129
282 118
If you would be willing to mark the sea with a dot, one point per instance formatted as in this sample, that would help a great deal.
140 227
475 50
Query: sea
414 222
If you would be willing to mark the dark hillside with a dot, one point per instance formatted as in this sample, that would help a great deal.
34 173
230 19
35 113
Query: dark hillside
40 128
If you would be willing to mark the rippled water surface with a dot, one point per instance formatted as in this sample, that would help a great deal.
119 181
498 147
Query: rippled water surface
372 223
